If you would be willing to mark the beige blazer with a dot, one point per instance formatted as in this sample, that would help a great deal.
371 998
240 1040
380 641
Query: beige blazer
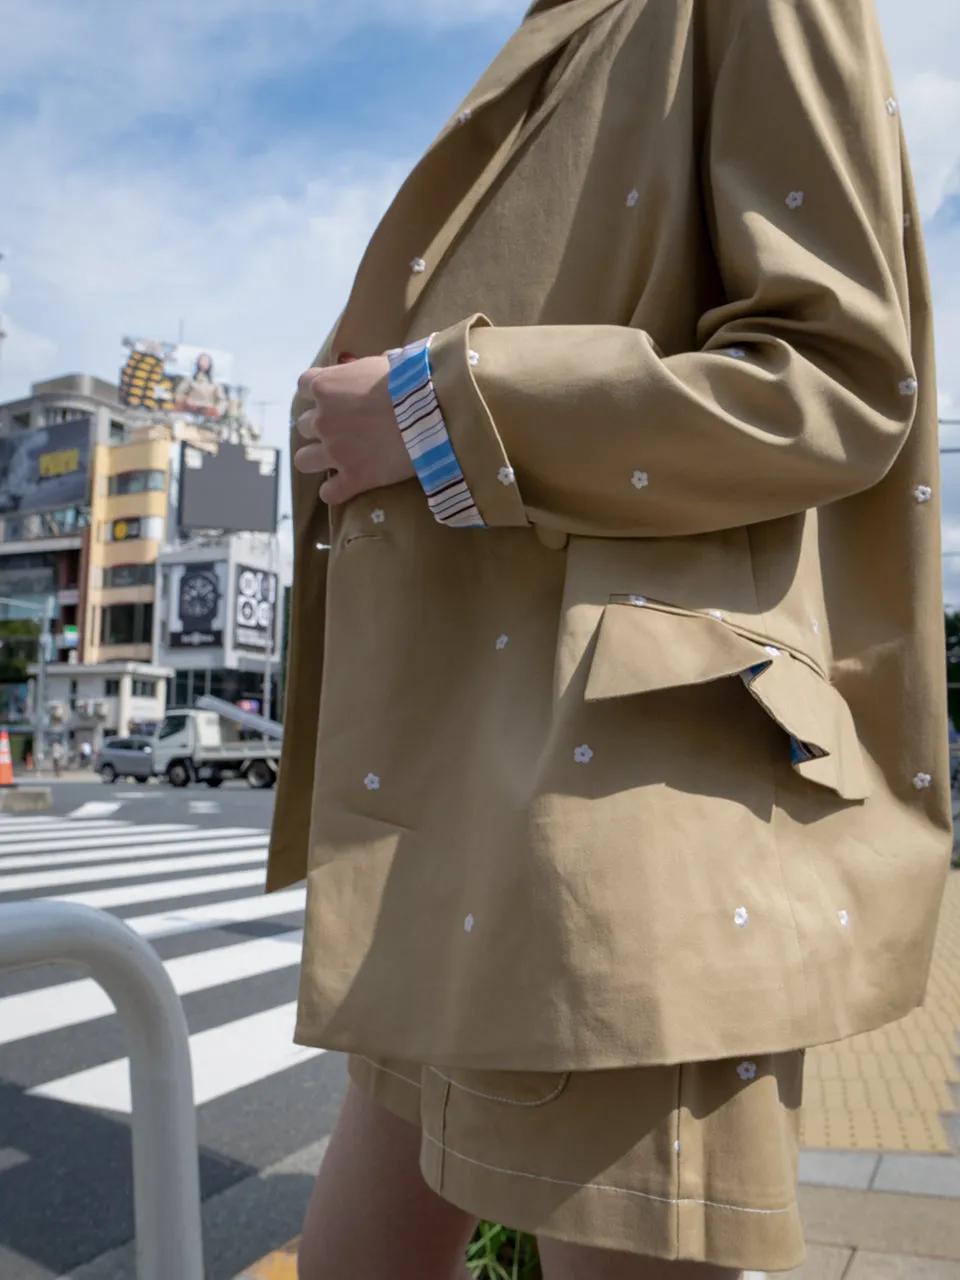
653 768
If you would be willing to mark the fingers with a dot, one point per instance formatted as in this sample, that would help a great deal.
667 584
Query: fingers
308 424
308 382
336 490
313 458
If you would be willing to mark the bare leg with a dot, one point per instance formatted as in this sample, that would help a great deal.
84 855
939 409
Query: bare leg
575 1262
371 1215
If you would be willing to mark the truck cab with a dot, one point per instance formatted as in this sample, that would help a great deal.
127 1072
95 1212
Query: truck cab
199 745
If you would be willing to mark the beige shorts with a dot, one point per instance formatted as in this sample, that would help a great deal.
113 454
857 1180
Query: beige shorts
695 1162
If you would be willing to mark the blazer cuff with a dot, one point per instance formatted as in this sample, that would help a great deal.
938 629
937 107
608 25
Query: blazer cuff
472 431
425 435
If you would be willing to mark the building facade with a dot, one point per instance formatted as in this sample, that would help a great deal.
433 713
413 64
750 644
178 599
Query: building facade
220 623
140 618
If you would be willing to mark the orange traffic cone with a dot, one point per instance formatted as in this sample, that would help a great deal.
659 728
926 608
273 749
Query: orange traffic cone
6 764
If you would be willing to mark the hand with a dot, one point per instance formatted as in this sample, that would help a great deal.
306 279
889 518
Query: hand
352 432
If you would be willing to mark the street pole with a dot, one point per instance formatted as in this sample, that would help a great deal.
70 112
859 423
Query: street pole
40 732
268 660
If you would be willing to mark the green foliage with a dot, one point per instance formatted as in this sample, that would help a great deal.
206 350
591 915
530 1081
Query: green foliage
499 1254
18 648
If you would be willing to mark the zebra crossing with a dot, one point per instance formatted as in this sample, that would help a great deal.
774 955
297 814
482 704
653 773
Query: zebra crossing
196 893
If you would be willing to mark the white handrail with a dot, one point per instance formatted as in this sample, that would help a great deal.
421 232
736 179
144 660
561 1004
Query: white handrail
165 1160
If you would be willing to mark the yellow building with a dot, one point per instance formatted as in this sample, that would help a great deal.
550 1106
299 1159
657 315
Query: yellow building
128 522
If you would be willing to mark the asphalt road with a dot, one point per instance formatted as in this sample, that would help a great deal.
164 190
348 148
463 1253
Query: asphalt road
185 869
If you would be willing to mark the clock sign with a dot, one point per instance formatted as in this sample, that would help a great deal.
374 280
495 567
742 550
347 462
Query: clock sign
199 598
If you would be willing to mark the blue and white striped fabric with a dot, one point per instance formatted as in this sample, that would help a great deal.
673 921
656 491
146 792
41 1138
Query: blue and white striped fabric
424 432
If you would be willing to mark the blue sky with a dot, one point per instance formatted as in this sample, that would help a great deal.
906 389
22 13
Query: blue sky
223 163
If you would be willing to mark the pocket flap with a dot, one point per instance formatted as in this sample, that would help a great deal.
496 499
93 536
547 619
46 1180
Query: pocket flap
642 649
649 648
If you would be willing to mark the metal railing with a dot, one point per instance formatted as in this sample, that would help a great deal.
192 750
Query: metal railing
164 1127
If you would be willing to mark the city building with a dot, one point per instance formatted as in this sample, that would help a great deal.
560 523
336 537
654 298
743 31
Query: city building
91 505
220 625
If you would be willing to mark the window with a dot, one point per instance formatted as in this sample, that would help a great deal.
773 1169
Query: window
127 624
172 725
111 688
21 420
117 432
150 527
137 482
130 575
181 689
144 688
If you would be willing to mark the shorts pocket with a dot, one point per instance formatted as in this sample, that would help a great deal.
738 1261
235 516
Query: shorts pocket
508 1088
643 646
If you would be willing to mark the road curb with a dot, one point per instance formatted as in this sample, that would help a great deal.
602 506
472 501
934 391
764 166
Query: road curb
19 799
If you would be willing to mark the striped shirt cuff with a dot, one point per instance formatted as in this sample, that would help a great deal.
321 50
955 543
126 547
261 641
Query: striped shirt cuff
424 432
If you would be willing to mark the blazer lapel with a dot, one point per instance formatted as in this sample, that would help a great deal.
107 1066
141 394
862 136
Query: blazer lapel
446 186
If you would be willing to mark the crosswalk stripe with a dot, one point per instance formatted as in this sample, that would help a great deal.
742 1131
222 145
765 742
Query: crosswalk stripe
67 1004
225 1059
218 915
106 840
31 881
96 809
186 843
157 890
48 830
36 824
123 867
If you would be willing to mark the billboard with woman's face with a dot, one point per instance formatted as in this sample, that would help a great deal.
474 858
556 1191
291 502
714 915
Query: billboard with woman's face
192 382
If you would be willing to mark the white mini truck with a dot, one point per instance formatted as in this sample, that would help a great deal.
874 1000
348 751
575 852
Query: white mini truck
204 744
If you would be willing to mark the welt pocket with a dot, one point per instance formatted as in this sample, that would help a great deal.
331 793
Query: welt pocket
646 646
348 540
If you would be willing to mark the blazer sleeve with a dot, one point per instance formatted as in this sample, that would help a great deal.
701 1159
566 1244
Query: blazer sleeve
802 388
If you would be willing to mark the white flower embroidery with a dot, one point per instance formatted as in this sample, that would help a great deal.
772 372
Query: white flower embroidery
795 199
676 1145
922 781
640 480
715 613
464 116
923 493
814 622
892 106
506 475
639 601
740 917
747 1071
473 357
502 642
844 918
418 266
909 387
378 516
773 651
737 353
372 782
632 198
583 755
468 924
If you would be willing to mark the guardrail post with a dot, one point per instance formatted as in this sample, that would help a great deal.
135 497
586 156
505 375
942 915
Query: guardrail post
164 1127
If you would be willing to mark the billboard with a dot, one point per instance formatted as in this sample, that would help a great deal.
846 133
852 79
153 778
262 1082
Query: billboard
186 381
255 610
236 489
198 605
46 468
